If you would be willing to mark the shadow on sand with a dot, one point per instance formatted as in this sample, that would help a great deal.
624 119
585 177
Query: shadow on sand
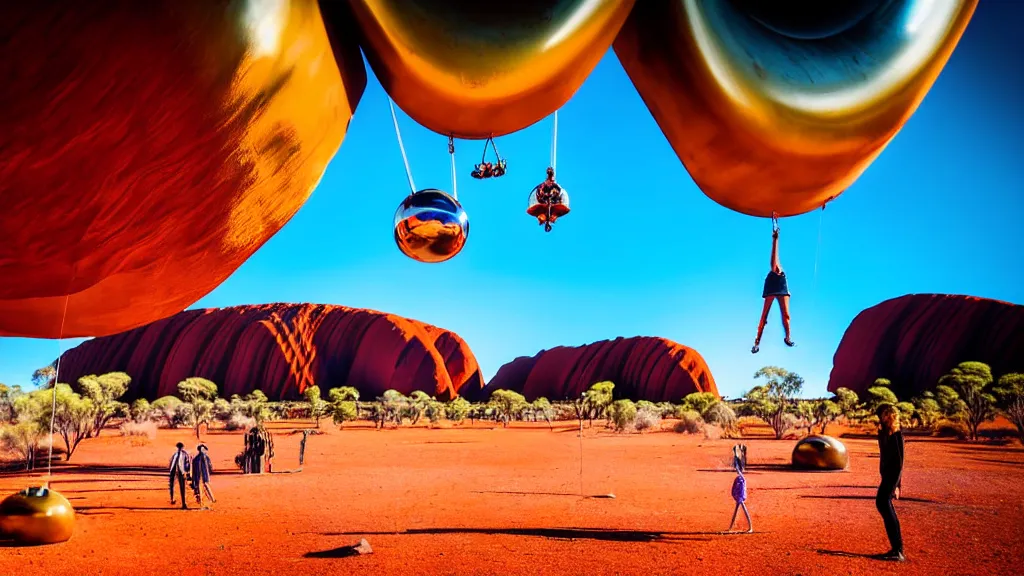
902 499
524 493
600 534
845 554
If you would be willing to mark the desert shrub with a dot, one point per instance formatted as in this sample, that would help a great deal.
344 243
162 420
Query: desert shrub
950 429
239 422
699 401
712 432
140 410
690 422
145 428
622 414
647 419
24 439
721 414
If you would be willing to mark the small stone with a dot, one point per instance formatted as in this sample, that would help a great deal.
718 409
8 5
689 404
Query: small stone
363 547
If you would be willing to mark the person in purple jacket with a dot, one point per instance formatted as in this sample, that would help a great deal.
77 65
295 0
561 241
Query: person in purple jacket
739 494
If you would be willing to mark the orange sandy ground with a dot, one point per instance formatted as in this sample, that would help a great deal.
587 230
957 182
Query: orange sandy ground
507 501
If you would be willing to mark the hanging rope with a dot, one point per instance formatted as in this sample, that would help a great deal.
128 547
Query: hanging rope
401 145
554 143
56 379
817 250
451 153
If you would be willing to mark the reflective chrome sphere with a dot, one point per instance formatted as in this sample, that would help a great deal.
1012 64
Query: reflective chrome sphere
431 226
820 453
37 516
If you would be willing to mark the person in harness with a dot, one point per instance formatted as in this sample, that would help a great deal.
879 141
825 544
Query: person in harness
776 287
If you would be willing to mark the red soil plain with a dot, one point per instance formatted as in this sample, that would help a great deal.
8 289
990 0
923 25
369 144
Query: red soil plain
487 500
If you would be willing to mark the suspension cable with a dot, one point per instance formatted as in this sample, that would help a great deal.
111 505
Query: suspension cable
401 145
56 379
451 153
554 144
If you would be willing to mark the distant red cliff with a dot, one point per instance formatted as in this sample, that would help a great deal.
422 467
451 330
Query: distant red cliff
642 368
281 349
913 340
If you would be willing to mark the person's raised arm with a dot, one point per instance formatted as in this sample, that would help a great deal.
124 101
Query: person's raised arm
776 267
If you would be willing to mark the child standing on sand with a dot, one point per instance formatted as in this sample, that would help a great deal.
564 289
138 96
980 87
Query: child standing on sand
739 494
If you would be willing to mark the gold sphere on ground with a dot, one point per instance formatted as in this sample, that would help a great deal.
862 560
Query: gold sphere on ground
820 453
37 515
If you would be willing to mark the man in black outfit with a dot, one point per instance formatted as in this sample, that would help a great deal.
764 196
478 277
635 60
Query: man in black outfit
890 448
178 470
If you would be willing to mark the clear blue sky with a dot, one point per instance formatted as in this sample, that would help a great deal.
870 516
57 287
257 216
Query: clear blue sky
940 211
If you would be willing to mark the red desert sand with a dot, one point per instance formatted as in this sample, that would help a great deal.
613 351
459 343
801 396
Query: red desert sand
482 500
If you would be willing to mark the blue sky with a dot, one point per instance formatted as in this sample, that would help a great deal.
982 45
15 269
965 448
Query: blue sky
941 210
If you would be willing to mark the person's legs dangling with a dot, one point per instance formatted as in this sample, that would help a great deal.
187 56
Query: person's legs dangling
784 309
760 325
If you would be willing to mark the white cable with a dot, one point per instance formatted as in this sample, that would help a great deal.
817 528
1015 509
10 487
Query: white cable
455 186
56 379
401 145
554 145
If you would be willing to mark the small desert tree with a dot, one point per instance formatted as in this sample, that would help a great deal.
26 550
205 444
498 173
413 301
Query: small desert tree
848 403
393 406
344 394
257 406
317 406
105 392
907 410
72 415
622 413
878 394
22 438
805 409
45 376
826 412
1010 393
950 404
199 394
343 411
457 410
8 394
507 404
772 400
140 409
973 384
417 405
542 408
598 398
699 402
926 408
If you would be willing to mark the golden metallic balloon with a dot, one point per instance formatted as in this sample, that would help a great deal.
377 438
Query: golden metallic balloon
148 149
37 515
431 226
820 453
474 69
779 107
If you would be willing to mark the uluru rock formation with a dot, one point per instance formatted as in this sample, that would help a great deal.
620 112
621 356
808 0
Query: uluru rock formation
642 368
281 349
148 149
913 340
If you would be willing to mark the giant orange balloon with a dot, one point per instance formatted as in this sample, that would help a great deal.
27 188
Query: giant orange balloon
147 149
473 69
780 106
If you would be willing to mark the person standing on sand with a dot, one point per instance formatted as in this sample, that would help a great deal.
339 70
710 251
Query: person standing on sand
890 466
739 494
178 470
201 470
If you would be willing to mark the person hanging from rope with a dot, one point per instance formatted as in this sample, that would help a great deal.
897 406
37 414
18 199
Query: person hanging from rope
776 287
487 169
